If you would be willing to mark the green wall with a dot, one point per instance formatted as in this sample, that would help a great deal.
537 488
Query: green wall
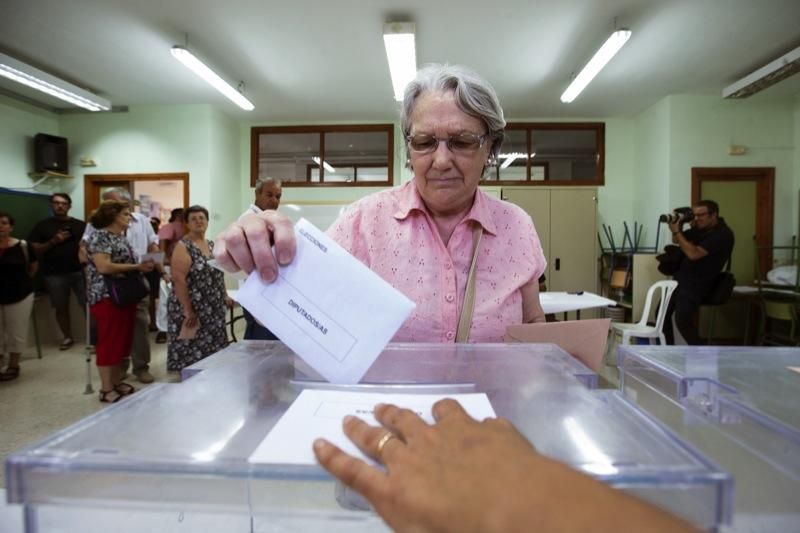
18 124
197 139
703 127
648 156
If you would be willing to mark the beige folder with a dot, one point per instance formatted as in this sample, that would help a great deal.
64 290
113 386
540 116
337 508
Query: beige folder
583 339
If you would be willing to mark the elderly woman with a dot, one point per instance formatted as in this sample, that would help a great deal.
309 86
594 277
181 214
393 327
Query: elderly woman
17 265
422 236
196 307
109 255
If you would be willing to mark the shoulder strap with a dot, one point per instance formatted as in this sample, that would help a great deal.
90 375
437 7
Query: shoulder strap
24 246
465 319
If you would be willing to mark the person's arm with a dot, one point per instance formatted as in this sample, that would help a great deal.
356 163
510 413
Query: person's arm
462 475
245 244
41 248
181 263
102 262
531 306
692 251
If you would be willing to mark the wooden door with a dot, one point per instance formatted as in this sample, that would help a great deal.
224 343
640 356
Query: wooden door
536 202
573 240
740 215
95 184
746 200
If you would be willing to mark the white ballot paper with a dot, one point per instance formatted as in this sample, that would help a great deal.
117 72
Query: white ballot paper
155 257
319 413
330 309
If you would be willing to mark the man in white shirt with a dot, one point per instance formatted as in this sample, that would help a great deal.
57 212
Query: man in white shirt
268 197
143 240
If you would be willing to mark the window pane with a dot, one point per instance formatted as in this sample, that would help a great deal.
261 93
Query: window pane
568 154
513 158
373 174
358 154
287 156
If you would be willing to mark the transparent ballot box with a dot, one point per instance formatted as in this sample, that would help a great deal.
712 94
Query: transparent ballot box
178 453
738 405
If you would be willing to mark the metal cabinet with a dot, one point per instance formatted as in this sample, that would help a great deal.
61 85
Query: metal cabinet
566 220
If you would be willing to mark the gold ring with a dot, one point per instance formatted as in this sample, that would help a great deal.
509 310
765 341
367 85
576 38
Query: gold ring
381 443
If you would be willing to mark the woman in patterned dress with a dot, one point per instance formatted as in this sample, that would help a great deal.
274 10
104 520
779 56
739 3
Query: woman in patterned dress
196 307
110 254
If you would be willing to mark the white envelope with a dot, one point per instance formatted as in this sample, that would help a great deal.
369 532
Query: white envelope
328 307
319 413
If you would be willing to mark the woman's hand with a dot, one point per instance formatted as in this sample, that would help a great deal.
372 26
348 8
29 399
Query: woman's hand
456 475
147 266
191 319
246 244
229 302
464 475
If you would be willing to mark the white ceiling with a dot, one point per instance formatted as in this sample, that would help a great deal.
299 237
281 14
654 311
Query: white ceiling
315 61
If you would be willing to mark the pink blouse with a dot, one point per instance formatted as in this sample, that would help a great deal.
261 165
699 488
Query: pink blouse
393 233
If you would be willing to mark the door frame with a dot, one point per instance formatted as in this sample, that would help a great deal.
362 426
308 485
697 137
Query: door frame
92 183
765 200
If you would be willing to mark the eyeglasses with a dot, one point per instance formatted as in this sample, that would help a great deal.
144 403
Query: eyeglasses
464 143
57 202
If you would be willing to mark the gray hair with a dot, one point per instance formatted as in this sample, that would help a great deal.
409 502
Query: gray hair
263 181
474 96
117 190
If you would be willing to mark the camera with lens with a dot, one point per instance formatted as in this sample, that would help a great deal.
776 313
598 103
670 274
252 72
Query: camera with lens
679 214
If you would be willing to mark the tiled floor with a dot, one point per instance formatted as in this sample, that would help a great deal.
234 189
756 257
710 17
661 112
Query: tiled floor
50 394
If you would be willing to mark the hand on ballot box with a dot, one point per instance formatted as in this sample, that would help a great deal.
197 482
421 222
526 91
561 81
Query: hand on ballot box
463 475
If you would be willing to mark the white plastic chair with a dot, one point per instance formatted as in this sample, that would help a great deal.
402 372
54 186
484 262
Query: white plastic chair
641 329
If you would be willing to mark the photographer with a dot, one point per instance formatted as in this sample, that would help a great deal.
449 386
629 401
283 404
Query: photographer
55 241
707 246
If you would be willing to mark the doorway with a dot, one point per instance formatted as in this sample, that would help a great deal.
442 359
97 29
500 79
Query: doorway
746 202
154 195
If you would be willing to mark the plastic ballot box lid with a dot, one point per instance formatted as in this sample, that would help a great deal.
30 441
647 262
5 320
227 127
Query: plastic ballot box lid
186 446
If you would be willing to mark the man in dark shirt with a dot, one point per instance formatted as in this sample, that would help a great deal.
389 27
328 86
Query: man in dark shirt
55 242
707 246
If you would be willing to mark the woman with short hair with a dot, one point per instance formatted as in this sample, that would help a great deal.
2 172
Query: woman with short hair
110 254
197 303
17 265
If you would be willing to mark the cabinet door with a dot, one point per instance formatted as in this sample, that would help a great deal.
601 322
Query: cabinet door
573 240
535 202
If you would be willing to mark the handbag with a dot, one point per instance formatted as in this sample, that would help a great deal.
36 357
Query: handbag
723 287
670 261
722 290
127 289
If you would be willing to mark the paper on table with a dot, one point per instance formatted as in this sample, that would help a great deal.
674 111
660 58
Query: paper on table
319 413
155 257
328 307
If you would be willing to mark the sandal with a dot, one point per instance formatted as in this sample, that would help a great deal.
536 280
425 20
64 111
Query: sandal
104 396
11 372
124 389
66 344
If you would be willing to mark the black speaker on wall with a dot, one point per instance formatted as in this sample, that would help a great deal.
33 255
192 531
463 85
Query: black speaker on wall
50 153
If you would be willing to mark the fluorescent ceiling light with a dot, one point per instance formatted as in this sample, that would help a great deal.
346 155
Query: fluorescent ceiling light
511 157
42 81
768 75
325 164
398 38
185 56
596 64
